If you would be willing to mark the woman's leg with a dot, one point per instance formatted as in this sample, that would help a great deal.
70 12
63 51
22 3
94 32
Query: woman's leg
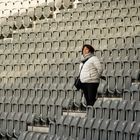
92 92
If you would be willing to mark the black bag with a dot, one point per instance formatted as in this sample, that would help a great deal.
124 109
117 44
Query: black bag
78 83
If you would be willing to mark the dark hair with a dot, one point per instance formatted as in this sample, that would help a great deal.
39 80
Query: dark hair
91 49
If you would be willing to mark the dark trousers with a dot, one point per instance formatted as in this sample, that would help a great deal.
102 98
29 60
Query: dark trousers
90 92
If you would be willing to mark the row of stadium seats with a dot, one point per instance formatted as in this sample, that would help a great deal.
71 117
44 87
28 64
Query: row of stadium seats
25 19
72 128
77 34
13 123
33 135
42 104
115 109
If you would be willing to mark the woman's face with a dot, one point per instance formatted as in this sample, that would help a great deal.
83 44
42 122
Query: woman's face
85 51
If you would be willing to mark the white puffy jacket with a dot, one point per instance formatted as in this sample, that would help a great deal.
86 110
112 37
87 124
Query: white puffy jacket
91 70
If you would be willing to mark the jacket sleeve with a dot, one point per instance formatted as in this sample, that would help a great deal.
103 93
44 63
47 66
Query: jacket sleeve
98 66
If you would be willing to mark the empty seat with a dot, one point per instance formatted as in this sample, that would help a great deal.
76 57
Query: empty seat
98 108
120 130
121 110
106 109
17 119
10 124
111 130
135 131
103 129
88 128
81 128
23 135
113 109
137 111
90 112
3 123
74 127
96 128
130 110
127 130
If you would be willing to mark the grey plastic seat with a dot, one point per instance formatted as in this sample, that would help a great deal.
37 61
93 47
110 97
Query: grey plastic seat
127 130
46 11
18 22
30 135
38 12
43 137
23 122
6 30
120 130
137 111
44 105
90 112
10 124
22 99
130 110
113 109
52 131
135 70
81 130
66 125
2 99
96 129
98 108
106 109
36 102
88 128
127 95
7 102
135 131
112 129
121 110
23 135
59 127
26 21
74 127
3 123
119 78
103 129
17 119
29 101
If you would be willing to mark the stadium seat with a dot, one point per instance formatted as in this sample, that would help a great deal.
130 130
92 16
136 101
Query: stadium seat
26 21
23 135
22 99
7 102
130 110
120 129
134 131
44 105
3 117
103 129
95 128
98 108
81 130
38 12
113 109
17 123
127 130
134 91
66 3
112 129
10 124
121 110
88 128
105 109
74 127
